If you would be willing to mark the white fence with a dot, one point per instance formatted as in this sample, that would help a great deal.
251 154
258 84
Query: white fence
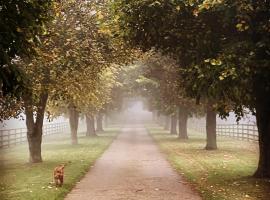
248 132
11 137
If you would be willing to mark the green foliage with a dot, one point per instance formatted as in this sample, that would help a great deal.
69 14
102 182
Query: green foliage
71 62
161 84
21 22
221 47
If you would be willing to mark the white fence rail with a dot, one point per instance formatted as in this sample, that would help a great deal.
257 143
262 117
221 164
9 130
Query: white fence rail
248 132
240 131
11 137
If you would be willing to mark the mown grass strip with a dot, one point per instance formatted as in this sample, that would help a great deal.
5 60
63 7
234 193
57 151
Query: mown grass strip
20 180
217 175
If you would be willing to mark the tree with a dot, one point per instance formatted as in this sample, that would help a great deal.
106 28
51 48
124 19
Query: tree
73 123
21 22
245 62
226 66
106 82
50 70
99 118
175 30
90 125
167 19
68 61
164 71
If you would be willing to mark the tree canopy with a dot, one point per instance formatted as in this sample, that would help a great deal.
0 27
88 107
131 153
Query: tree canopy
71 55
21 22
221 47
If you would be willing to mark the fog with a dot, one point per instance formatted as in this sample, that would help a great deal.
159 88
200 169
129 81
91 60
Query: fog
133 112
247 119
136 113
20 123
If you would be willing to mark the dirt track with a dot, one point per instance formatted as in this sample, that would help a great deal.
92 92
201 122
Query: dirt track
132 169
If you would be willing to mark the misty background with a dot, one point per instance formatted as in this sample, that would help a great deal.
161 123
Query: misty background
132 112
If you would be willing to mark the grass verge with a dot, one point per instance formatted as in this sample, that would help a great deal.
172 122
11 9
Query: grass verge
20 180
224 174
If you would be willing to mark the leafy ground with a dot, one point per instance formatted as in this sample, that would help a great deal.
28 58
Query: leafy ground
222 174
21 180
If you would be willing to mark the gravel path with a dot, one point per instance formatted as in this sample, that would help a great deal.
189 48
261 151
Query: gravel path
132 169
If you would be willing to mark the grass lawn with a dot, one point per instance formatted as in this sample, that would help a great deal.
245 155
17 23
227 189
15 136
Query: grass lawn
222 174
21 180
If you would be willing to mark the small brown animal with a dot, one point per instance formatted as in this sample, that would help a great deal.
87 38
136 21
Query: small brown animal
58 174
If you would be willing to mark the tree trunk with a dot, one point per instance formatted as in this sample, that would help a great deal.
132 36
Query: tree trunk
34 128
34 143
263 124
167 123
106 121
159 119
154 115
90 123
211 136
182 123
73 123
173 124
100 122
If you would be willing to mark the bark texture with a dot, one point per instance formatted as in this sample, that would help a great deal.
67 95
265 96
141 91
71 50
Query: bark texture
167 123
263 124
211 123
73 123
106 121
173 124
100 122
90 124
34 127
182 123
